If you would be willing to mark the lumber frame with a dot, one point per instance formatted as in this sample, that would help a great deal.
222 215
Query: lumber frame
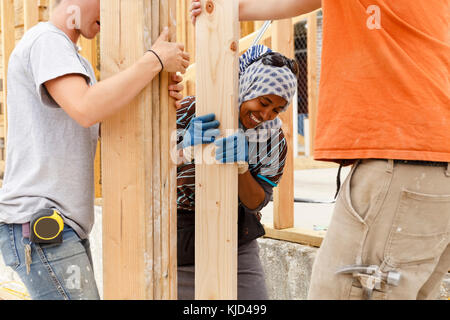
216 195
313 88
283 195
8 43
30 13
139 242
297 235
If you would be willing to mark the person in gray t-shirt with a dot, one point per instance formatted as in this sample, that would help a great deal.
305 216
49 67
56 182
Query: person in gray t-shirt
54 107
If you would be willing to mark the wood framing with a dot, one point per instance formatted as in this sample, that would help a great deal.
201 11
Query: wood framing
297 235
8 43
30 13
139 260
216 195
313 87
283 195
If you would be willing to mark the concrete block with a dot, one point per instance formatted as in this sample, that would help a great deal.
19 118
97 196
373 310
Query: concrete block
287 267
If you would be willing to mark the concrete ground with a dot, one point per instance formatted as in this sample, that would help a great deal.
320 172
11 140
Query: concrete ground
317 185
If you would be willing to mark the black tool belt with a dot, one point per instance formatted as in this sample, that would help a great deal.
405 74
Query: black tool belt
249 229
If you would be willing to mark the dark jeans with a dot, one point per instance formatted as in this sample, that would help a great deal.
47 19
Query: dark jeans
251 278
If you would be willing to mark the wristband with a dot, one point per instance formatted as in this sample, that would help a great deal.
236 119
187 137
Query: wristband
160 61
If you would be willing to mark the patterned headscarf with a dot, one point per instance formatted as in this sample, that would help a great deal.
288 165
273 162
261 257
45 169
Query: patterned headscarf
257 79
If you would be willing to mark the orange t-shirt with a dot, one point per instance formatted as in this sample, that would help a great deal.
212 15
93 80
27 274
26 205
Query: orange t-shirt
385 90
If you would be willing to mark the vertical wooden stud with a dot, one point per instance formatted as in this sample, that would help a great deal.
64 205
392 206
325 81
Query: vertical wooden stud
8 43
283 195
216 195
313 87
133 189
31 13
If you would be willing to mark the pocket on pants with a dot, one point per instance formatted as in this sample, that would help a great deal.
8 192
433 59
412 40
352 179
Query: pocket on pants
8 246
420 231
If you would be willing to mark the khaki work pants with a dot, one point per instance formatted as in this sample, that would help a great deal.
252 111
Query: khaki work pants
395 216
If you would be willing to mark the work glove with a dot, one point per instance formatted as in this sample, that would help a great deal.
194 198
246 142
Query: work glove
201 130
233 149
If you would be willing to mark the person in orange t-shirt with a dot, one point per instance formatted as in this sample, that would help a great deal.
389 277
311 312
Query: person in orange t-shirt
384 107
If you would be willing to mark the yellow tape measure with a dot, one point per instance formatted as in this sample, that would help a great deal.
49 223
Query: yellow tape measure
46 227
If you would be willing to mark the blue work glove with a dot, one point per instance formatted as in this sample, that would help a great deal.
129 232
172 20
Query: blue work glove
233 149
201 130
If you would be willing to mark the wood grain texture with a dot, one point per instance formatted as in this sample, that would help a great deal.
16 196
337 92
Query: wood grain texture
313 87
31 13
283 195
8 43
128 244
297 235
168 277
139 226
216 195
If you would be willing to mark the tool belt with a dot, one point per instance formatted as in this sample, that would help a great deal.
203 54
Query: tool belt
249 229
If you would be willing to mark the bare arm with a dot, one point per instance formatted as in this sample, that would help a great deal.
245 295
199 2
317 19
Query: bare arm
250 192
90 105
250 10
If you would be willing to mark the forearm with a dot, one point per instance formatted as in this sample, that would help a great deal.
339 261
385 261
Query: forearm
250 192
250 10
107 97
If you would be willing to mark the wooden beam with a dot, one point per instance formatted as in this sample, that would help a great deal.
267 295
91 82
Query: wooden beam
244 44
297 235
313 86
216 195
168 226
283 195
30 13
132 227
307 163
8 44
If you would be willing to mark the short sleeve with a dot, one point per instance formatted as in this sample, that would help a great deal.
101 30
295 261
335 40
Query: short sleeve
53 55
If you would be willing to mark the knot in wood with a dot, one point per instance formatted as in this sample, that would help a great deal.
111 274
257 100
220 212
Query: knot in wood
233 46
209 6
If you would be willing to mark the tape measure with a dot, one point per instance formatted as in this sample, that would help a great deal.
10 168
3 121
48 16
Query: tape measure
46 227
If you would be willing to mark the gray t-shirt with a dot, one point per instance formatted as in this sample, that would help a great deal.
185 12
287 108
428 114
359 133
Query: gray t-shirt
49 157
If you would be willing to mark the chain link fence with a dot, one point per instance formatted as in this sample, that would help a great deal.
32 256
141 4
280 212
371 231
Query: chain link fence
301 55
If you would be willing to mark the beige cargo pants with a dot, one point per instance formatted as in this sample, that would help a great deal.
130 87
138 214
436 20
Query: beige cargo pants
395 216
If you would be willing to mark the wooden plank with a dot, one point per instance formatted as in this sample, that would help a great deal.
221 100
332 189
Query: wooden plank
172 188
128 244
297 235
8 43
244 44
216 192
156 161
313 87
168 169
306 163
31 13
283 195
